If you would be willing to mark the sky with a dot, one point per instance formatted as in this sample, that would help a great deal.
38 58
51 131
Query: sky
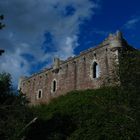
38 30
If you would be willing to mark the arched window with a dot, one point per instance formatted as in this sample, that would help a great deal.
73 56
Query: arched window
39 94
54 86
95 70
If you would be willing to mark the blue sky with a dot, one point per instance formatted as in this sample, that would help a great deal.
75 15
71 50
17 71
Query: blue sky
36 31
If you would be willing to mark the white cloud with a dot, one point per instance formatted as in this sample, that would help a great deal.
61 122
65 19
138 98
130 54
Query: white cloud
70 43
101 32
132 23
27 21
11 62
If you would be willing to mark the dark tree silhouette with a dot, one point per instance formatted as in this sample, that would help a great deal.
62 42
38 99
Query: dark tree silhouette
1 26
1 51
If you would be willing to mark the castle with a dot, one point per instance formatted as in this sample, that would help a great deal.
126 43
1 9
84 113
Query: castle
93 68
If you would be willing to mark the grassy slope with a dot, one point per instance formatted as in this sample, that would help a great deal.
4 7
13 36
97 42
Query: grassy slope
107 113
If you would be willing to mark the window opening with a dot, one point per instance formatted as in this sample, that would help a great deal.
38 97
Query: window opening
95 70
39 94
54 86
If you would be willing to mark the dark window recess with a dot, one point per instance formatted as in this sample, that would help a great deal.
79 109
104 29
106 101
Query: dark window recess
39 94
95 70
74 62
84 59
54 86
46 74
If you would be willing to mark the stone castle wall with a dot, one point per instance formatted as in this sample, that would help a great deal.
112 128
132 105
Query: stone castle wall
92 69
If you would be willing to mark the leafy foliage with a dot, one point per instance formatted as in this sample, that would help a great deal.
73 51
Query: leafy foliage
5 86
13 111
1 24
130 68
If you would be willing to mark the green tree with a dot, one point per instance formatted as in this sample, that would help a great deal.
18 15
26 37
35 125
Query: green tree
5 87
1 24
14 114
130 69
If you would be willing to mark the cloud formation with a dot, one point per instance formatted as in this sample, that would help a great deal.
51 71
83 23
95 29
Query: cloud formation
27 22
130 24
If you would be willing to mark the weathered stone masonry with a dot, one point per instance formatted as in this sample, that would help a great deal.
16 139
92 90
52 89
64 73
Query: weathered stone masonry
92 69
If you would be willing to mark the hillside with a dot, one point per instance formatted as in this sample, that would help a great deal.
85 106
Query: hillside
107 113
